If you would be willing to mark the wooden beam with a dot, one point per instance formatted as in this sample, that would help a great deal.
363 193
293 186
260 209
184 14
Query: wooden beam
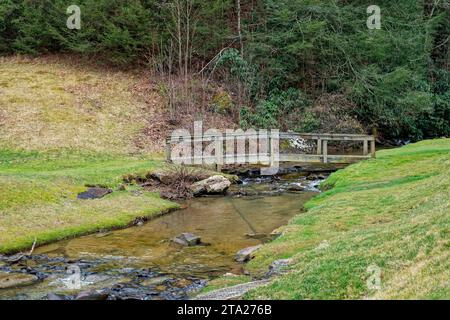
372 149
306 158
168 151
326 136
271 150
313 158
285 135
365 148
219 154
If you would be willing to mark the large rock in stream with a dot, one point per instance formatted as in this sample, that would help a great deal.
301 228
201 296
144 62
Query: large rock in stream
187 239
213 185
15 280
246 254
92 295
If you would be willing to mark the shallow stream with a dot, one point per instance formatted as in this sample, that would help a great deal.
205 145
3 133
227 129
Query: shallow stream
143 263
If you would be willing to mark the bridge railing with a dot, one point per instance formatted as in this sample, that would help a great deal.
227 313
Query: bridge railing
319 143
322 154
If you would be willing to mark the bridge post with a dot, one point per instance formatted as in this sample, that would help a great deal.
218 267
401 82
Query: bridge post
365 148
219 152
325 151
273 149
270 151
319 146
372 142
372 148
168 150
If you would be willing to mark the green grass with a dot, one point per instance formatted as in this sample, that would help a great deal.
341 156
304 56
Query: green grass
392 212
64 126
38 193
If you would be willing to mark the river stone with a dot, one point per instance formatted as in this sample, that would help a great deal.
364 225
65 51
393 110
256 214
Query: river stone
187 239
258 236
14 258
263 237
213 185
92 295
246 254
14 280
94 193
54 297
314 176
154 281
163 177
230 275
296 187
275 234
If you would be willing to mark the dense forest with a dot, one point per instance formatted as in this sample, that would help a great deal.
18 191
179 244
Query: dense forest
304 65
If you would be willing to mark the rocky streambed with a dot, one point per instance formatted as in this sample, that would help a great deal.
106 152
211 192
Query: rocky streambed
144 262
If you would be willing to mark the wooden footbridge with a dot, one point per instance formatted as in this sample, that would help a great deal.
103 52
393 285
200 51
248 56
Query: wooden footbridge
266 147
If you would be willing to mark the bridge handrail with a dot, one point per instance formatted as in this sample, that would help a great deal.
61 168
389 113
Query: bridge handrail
322 143
283 135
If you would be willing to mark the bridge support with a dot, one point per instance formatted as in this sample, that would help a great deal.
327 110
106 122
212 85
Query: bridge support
372 148
365 148
319 146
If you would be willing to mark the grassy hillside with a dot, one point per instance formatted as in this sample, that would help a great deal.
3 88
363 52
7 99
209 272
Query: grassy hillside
55 103
38 193
63 127
392 212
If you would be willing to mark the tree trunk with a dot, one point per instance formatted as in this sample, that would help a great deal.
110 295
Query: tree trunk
239 28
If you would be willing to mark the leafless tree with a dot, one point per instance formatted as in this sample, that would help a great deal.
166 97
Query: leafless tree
239 27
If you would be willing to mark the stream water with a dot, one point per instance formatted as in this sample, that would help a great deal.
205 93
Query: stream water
143 263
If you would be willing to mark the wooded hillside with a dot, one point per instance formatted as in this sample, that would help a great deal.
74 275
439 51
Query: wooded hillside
305 65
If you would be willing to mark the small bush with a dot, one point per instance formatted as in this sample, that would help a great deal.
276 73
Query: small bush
331 113
282 110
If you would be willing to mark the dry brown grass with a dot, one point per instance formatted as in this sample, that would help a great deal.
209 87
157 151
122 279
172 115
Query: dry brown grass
53 102
55 105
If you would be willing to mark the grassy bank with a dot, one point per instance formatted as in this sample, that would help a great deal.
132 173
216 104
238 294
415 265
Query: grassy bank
388 216
38 192
391 213
64 126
